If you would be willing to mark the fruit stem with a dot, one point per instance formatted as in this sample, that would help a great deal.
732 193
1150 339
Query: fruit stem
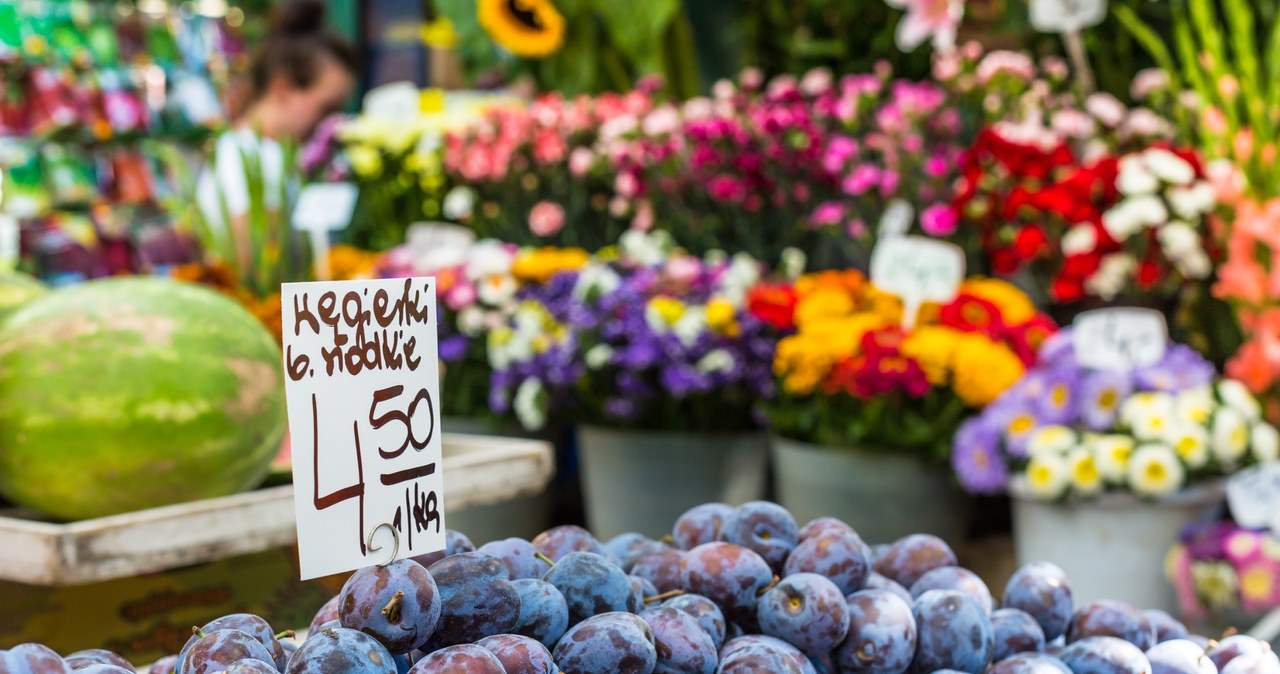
392 610
544 558
287 634
770 586
668 539
664 596
196 631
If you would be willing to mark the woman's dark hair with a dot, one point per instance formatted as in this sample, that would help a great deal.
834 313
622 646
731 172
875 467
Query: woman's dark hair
296 47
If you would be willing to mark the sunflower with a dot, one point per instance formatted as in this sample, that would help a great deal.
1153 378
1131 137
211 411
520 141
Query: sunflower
528 28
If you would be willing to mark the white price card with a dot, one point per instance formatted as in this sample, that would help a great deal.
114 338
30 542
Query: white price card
436 245
918 270
395 102
1066 16
1254 496
325 206
363 388
1120 339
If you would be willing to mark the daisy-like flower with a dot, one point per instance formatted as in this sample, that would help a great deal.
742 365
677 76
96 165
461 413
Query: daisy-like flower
1051 440
1153 424
1168 166
1194 405
1113 452
1231 435
598 356
1058 404
1016 423
1216 582
1236 395
1190 442
1135 178
1086 477
530 404
977 459
1048 476
1142 404
1266 442
1101 395
1155 471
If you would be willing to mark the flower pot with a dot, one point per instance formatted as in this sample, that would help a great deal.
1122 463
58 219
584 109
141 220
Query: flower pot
1111 547
524 516
883 495
643 480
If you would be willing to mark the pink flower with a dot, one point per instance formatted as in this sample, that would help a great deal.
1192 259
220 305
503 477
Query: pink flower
939 220
862 179
839 150
1015 63
946 66
751 78
580 161
683 269
1147 82
857 228
1072 123
460 296
1055 67
643 220
826 214
549 147
938 19
937 166
1178 570
889 183
1214 121
1106 109
1243 546
546 218
626 184
1144 123
815 82
726 188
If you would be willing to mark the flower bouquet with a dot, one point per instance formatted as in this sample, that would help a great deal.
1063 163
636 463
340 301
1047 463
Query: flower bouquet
1221 569
865 409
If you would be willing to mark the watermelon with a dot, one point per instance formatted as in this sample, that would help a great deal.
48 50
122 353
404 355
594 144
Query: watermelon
16 289
132 393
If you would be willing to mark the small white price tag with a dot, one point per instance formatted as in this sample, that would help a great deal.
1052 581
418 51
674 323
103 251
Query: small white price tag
1066 16
1120 339
1254 496
918 270
436 245
396 102
363 388
10 240
325 206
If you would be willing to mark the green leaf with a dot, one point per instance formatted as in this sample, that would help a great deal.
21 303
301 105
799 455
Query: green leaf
637 28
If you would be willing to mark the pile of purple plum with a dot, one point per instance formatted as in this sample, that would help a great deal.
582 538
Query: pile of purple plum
731 591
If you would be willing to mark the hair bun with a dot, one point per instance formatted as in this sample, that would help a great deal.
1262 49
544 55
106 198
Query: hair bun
298 17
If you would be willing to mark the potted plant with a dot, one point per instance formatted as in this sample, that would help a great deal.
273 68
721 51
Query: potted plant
865 410
1224 574
652 353
1106 467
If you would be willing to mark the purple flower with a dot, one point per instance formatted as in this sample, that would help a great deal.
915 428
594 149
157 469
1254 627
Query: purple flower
1016 418
620 409
453 348
1059 351
1181 368
1207 540
976 457
1060 400
1100 396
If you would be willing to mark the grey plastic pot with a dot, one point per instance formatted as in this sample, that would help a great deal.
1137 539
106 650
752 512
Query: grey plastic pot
883 495
1113 546
643 480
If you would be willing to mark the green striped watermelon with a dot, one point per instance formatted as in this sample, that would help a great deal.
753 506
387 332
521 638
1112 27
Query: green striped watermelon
126 394
16 289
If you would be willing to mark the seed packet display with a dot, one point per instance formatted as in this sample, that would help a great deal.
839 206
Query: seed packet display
10 32
125 111
25 193
52 102
131 181
71 176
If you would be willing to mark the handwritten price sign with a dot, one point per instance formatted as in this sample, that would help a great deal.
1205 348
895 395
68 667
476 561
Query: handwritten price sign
1120 339
1254 496
918 270
362 381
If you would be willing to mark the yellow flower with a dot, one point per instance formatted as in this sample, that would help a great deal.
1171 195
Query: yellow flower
1113 456
803 361
366 161
823 304
540 264
932 347
842 335
983 369
1086 479
1048 476
440 34
887 306
1015 307
664 311
348 263
722 317
528 28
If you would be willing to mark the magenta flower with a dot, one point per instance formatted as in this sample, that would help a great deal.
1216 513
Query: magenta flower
546 218
862 179
939 220
925 19
826 214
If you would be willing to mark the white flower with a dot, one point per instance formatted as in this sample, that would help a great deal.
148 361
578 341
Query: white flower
471 321
1048 476
1192 202
1194 405
645 248
1050 440
716 360
1148 209
1266 442
663 120
1145 403
1112 275
1155 471
1190 442
793 262
1196 265
1169 167
459 202
1079 239
1105 108
1230 436
596 279
1236 395
1151 424
529 406
1135 177
489 258
1178 239
1122 221
496 290
598 356
1113 453
742 274
691 325
1086 477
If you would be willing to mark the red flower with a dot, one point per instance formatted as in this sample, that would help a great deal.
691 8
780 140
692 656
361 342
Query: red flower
1030 336
1030 243
1004 261
864 377
970 313
773 304
882 342
1148 274
1082 266
1067 289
